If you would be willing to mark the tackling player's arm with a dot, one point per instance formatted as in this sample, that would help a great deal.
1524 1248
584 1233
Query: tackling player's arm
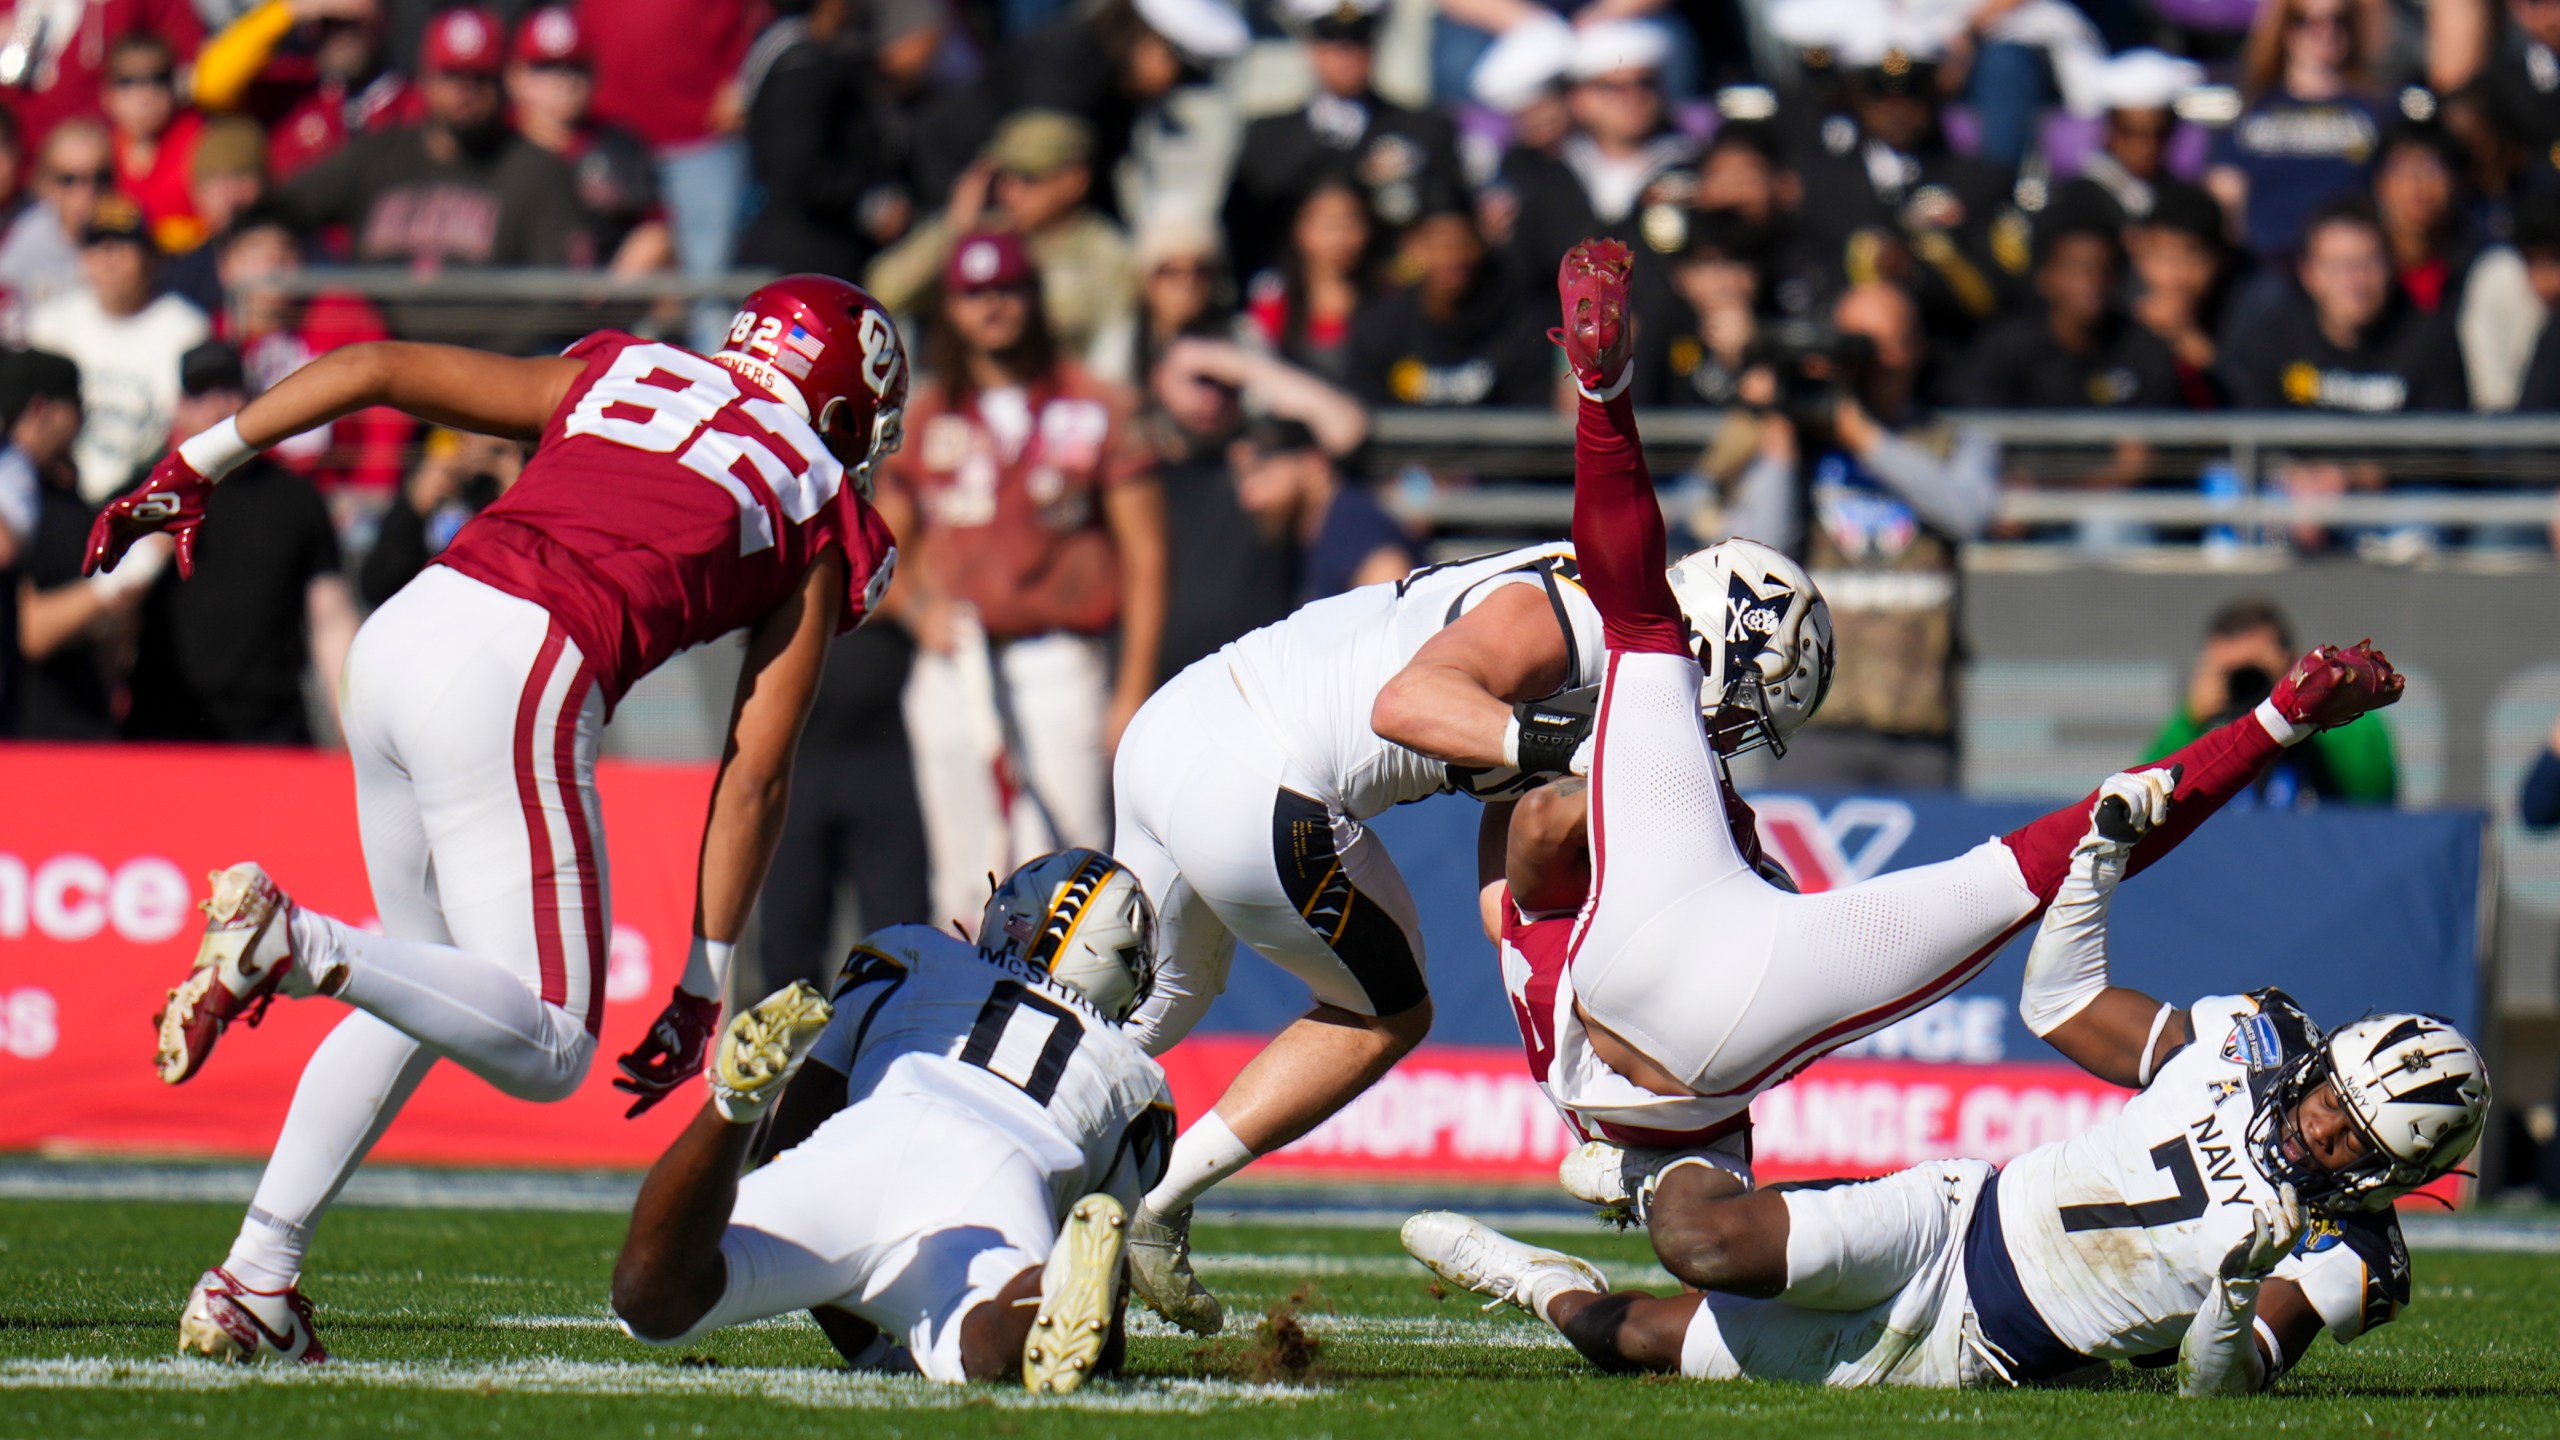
1453 701
2117 1034
786 654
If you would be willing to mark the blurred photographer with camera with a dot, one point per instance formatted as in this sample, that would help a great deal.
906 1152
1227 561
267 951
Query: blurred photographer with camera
2247 644
1855 478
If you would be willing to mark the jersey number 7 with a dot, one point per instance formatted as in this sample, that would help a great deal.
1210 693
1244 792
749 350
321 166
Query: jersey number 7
661 399
2172 1156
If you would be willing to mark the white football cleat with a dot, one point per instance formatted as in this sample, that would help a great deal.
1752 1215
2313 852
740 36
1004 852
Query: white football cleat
1079 1297
1472 1255
1160 1271
1595 1172
762 1049
246 956
226 1320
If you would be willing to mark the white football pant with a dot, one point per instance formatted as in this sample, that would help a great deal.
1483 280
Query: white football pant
1232 841
1726 981
473 727
908 1211
1875 1291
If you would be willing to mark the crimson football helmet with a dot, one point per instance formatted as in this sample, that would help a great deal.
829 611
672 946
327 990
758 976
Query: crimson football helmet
828 345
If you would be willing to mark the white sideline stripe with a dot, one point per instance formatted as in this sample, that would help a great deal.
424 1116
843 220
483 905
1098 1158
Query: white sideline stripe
810 1389
1505 1332
611 1192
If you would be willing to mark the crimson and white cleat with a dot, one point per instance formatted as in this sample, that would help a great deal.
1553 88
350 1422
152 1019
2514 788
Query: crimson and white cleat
1597 334
1472 1255
1080 1295
246 955
226 1320
2329 686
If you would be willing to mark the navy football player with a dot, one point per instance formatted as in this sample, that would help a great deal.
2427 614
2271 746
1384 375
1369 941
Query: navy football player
2239 1205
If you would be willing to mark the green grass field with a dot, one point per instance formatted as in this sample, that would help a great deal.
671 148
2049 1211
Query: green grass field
452 1322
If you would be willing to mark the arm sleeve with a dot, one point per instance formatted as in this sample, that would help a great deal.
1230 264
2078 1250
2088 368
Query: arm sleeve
232 58
2219 1355
2067 965
1956 495
2176 732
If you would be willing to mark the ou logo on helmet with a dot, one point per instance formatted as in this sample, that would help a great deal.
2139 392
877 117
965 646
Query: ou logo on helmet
883 360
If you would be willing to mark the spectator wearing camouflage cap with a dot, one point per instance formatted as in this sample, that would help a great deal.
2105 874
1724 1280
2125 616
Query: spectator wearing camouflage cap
126 338
1405 161
1036 180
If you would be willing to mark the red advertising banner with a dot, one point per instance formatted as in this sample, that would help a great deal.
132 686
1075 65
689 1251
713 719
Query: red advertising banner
104 852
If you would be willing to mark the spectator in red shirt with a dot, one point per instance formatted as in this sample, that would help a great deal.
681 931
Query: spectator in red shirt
551 84
314 71
2417 193
53 53
278 333
1028 502
683 100
155 137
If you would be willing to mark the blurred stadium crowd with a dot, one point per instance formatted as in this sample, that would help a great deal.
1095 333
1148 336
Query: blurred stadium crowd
1186 243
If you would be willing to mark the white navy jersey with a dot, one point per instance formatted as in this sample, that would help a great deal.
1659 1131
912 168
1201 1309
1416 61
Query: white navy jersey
1316 675
2117 1233
920 1012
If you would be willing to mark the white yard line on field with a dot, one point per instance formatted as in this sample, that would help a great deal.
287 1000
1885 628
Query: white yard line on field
810 1389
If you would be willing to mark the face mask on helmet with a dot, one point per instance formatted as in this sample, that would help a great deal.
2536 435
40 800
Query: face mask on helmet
2414 1090
1082 917
1763 633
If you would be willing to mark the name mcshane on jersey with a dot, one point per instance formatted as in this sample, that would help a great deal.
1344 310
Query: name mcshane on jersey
921 1013
1316 675
2115 1234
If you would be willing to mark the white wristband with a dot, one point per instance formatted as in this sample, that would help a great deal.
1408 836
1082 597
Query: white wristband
1511 741
2284 731
217 450
1610 391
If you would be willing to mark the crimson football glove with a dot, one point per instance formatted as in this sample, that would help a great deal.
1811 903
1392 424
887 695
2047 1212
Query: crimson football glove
673 1052
2329 687
170 501
1596 334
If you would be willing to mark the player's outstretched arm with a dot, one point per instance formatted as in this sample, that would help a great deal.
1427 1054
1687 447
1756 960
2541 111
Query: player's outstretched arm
468 389
786 654
2115 1033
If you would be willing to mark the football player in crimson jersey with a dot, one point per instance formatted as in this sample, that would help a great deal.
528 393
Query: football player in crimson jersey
1659 983
672 497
